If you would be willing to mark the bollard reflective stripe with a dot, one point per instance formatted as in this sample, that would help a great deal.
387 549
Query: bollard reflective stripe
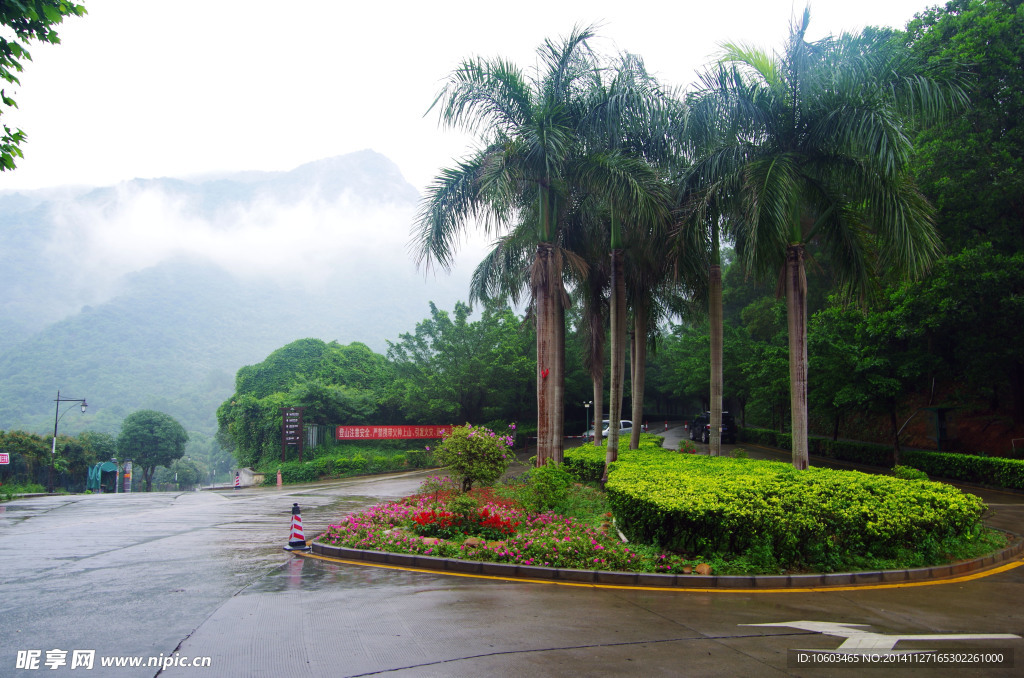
297 540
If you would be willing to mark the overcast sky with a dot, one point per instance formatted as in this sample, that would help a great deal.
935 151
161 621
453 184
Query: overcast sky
141 88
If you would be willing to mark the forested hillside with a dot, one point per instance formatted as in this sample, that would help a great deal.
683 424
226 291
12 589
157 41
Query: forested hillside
152 294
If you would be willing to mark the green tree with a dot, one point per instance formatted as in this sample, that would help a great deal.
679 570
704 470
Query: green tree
867 360
813 146
972 166
150 439
972 310
99 445
454 369
28 21
184 473
29 454
337 384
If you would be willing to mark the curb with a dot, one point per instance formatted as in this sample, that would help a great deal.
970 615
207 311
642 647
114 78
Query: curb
844 580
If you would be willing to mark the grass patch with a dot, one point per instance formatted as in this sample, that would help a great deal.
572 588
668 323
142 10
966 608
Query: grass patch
8 491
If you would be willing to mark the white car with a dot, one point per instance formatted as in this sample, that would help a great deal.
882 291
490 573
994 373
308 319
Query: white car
625 428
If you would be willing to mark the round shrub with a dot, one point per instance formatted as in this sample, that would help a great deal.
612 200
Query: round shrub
475 454
419 458
548 487
908 473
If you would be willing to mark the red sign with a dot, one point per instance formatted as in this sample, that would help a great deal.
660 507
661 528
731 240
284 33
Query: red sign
5 458
390 432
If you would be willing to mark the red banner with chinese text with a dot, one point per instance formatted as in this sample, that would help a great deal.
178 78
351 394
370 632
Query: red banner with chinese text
390 432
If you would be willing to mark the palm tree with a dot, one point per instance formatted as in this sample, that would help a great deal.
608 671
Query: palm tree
533 163
812 146
631 124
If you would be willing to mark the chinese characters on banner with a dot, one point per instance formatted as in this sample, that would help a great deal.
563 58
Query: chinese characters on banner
390 432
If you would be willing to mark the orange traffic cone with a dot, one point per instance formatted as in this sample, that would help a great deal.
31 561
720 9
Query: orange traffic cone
297 541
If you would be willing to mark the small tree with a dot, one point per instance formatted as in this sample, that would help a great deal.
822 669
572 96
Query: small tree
151 439
474 454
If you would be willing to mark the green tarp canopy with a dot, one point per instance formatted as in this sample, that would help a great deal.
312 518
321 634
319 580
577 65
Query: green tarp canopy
95 474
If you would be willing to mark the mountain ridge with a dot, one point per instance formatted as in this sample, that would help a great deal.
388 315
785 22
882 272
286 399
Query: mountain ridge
315 252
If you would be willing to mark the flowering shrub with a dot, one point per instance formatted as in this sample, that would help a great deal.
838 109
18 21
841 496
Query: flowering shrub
505 534
474 454
686 447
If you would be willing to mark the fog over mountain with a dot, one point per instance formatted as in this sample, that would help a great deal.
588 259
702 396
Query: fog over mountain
154 292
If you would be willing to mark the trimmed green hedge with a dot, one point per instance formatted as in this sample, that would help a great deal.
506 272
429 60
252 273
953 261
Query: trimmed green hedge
779 518
969 468
355 463
586 462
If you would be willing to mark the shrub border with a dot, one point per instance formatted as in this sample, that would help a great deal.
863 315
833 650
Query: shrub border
833 580
995 472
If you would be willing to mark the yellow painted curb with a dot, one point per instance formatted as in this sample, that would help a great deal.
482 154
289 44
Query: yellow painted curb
678 589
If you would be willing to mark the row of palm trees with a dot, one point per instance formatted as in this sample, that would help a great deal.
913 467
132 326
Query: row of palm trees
589 158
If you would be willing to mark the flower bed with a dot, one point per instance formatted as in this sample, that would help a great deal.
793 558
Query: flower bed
496 530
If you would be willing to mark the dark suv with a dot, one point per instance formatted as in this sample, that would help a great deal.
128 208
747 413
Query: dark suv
700 428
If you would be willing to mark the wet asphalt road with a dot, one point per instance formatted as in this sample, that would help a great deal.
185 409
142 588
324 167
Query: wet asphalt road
134 575
203 575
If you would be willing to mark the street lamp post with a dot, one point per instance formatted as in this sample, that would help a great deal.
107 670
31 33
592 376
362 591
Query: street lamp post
56 418
587 405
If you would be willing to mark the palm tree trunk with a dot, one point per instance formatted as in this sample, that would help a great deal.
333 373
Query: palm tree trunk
894 422
715 317
595 333
639 364
543 279
618 335
796 312
558 374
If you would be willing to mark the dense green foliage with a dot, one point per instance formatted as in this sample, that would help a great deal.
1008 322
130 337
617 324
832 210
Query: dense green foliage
451 367
335 384
30 457
870 360
971 167
780 519
454 369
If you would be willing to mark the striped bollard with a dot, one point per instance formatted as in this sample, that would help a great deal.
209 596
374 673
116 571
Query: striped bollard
297 540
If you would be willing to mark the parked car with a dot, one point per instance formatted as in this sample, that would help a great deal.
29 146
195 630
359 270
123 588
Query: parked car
625 428
700 428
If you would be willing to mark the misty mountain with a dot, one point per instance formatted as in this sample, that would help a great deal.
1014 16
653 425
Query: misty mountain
153 293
